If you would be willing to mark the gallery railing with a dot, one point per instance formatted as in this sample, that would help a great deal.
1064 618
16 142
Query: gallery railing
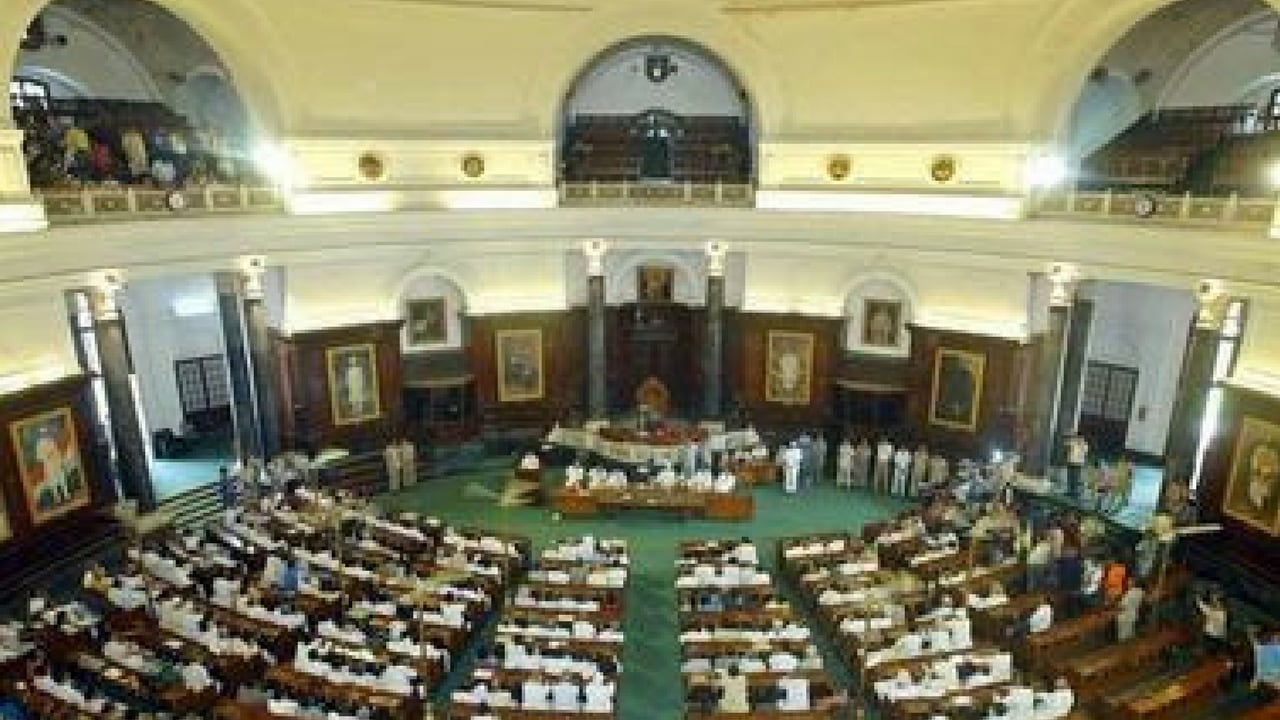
656 194
1178 208
128 203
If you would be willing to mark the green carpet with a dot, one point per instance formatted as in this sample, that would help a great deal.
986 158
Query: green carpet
650 688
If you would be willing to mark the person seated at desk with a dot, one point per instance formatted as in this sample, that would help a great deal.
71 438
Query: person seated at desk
725 482
196 678
535 694
733 691
780 660
793 694
667 477
565 695
574 476
702 481
1056 703
530 462
1019 704
597 477
617 479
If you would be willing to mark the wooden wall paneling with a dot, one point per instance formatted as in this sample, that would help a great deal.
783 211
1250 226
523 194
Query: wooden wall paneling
304 359
751 331
1241 545
564 368
70 392
1000 413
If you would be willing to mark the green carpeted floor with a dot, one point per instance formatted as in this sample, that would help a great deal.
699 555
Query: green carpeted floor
650 688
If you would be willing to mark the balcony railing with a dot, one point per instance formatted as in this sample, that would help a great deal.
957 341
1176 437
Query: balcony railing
655 194
1184 208
126 203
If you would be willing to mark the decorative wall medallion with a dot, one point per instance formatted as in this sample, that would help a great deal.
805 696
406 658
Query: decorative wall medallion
372 166
473 165
838 167
943 168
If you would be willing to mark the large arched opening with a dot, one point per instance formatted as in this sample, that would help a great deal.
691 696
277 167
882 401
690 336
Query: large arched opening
124 91
656 110
1184 101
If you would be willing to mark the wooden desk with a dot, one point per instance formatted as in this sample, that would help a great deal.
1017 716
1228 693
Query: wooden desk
1270 711
1096 674
1183 697
684 503
1085 631
304 685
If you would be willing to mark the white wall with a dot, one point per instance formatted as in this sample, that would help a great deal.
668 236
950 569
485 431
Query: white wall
158 338
1143 327
95 62
35 338
617 85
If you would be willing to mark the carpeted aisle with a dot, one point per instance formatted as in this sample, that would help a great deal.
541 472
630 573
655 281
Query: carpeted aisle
650 688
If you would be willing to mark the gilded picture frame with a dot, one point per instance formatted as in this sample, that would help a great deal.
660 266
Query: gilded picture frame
956 401
50 468
519 365
427 322
789 368
354 395
881 323
6 526
1253 487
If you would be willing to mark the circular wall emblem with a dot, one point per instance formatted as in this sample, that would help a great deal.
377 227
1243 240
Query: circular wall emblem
838 167
175 201
943 168
473 165
372 166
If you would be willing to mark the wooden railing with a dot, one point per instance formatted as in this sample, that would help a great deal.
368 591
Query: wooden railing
1230 209
128 203
656 194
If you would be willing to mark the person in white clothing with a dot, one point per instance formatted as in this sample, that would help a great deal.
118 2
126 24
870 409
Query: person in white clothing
535 694
599 695
792 457
844 464
1041 619
884 457
795 694
901 470
564 695
1057 703
392 456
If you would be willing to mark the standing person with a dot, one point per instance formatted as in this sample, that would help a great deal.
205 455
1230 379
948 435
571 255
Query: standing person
792 457
1077 455
844 463
819 457
884 456
938 471
919 469
1214 612
901 470
862 463
690 459
408 463
1127 618
392 456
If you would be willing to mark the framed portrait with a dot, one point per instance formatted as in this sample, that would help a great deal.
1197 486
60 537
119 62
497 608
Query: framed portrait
353 383
655 284
1253 490
49 466
957 389
6 529
881 323
428 323
519 365
789 379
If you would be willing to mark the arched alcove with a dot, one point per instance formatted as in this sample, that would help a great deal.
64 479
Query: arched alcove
432 306
656 110
879 306
125 91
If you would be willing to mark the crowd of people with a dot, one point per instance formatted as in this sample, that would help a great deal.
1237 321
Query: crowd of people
125 143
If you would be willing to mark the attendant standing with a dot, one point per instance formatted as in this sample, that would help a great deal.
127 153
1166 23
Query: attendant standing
792 457
884 457
844 464
394 461
901 470
919 470
408 463
819 457
862 463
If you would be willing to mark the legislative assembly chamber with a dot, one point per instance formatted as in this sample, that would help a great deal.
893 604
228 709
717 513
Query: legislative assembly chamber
707 359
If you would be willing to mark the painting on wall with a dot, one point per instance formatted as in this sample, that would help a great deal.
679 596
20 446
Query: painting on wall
789 379
1253 490
49 466
519 365
881 323
6 530
655 284
427 322
353 383
957 389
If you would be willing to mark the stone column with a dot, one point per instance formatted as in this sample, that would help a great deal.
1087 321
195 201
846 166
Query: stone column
597 391
713 346
230 301
1195 382
1048 379
1075 360
261 359
126 430
19 210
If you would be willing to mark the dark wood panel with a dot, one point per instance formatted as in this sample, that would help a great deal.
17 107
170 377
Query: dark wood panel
747 367
564 368
1243 546
663 341
310 423
1001 416
71 392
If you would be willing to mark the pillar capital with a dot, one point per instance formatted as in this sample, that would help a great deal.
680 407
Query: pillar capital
1062 283
595 250
1211 304
716 251
253 267
104 293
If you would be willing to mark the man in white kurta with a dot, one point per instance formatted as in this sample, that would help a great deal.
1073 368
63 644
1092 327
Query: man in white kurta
792 457
844 464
